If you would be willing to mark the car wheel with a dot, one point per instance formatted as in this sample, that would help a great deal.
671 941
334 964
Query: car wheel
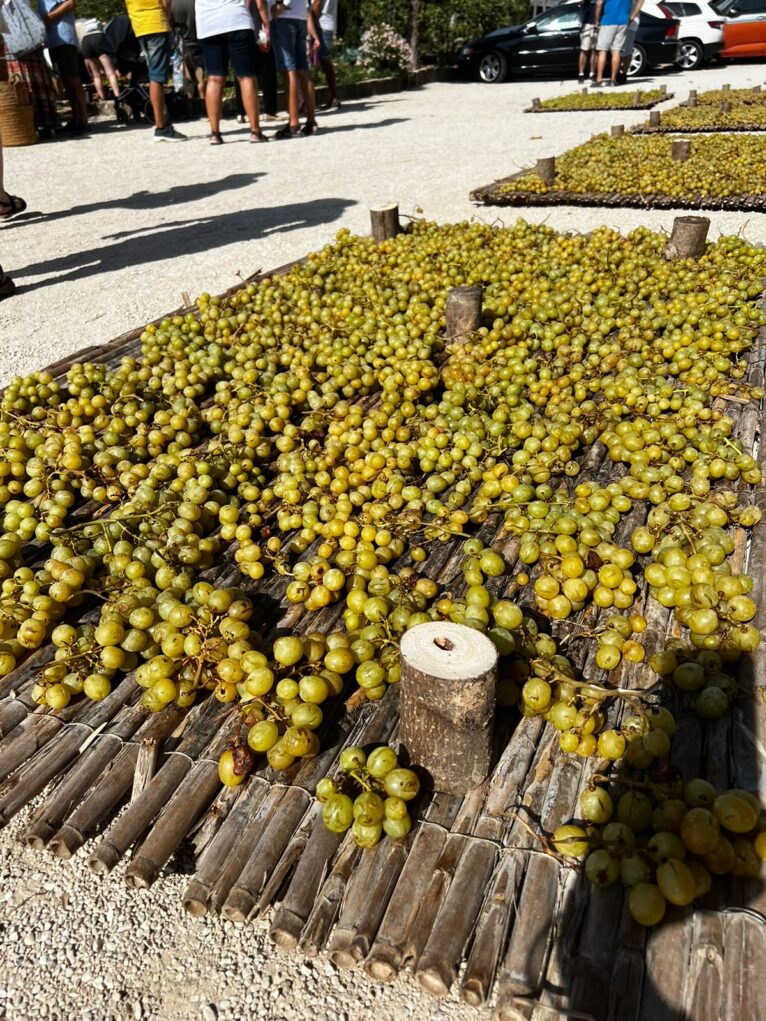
493 68
637 61
690 54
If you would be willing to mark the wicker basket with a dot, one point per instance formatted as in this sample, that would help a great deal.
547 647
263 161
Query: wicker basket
17 115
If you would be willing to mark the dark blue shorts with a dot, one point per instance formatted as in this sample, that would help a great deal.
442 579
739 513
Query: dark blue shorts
288 38
156 49
237 47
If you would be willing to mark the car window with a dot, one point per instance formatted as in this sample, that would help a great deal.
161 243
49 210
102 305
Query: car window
684 10
558 20
751 6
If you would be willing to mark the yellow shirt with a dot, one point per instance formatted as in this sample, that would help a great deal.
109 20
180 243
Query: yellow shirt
147 16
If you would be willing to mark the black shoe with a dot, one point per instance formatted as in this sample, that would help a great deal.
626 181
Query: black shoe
581 79
7 286
331 104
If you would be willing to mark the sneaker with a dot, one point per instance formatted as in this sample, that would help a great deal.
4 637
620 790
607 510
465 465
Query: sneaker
331 104
581 79
286 132
168 134
240 118
310 128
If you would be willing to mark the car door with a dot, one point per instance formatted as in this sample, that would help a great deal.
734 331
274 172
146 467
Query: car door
744 34
552 40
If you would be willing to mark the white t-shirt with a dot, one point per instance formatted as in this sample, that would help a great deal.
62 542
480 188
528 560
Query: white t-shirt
215 17
328 15
298 9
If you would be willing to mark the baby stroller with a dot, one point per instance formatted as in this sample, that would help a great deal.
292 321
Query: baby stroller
120 43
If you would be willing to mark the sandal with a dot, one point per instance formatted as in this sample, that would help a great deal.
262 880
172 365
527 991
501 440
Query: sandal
286 132
258 136
214 138
7 286
12 207
310 128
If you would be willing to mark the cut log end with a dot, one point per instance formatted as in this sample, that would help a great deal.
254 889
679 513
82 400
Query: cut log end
103 860
344 959
450 652
239 907
384 222
463 313
284 938
680 149
618 130
688 237
66 842
433 980
141 874
472 993
380 970
546 169
196 908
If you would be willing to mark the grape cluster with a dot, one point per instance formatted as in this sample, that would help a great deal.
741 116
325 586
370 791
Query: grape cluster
665 841
381 787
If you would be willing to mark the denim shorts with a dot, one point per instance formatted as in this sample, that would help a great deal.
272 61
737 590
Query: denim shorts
326 37
237 47
156 49
288 37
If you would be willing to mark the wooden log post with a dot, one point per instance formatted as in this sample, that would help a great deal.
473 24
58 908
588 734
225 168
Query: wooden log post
617 130
687 240
384 222
546 169
664 90
536 103
692 100
463 313
637 97
726 87
726 106
449 675
680 149
655 119
756 88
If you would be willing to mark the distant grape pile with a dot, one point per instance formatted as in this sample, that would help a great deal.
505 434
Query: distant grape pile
621 100
642 165
314 439
741 115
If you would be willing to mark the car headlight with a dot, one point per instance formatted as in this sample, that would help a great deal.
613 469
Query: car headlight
467 51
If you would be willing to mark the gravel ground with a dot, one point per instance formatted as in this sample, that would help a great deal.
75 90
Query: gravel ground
118 229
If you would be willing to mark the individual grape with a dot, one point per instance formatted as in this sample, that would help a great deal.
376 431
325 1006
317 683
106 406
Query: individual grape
338 813
596 805
401 783
369 808
647 904
571 840
601 868
676 882
352 758
700 831
397 829
381 761
366 835
735 812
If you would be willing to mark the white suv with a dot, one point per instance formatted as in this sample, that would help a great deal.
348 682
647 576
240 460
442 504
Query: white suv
700 33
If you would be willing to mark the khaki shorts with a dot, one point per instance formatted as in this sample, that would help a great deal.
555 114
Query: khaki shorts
612 38
588 37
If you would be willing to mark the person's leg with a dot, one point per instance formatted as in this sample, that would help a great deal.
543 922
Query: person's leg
600 66
111 73
94 70
293 98
304 82
268 82
156 49
250 103
243 55
616 58
10 205
66 61
214 101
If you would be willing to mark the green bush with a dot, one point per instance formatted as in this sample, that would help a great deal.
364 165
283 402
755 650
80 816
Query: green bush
104 10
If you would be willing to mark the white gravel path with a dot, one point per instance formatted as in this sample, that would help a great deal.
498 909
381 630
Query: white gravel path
121 228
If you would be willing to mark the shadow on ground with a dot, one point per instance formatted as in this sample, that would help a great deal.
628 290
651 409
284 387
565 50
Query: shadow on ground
182 238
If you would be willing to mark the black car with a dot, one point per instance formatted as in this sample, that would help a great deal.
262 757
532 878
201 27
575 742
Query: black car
551 43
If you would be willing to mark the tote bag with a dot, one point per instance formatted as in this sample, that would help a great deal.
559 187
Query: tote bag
23 31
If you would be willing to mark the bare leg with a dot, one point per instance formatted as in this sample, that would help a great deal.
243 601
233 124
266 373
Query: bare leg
250 103
293 98
157 98
94 70
616 58
601 66
329 73
199 76
307 88
111 73
76 96
213 101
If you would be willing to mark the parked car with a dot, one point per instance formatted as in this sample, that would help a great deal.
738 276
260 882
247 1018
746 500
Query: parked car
744 30
700 31
551 42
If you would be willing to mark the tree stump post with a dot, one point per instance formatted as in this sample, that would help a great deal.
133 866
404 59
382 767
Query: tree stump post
617 130
546 169
687 239
655 119
664 90
726 106
463 313
681 149
756 88
692 100
726 87
637 97
536 103
384 222
447 702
